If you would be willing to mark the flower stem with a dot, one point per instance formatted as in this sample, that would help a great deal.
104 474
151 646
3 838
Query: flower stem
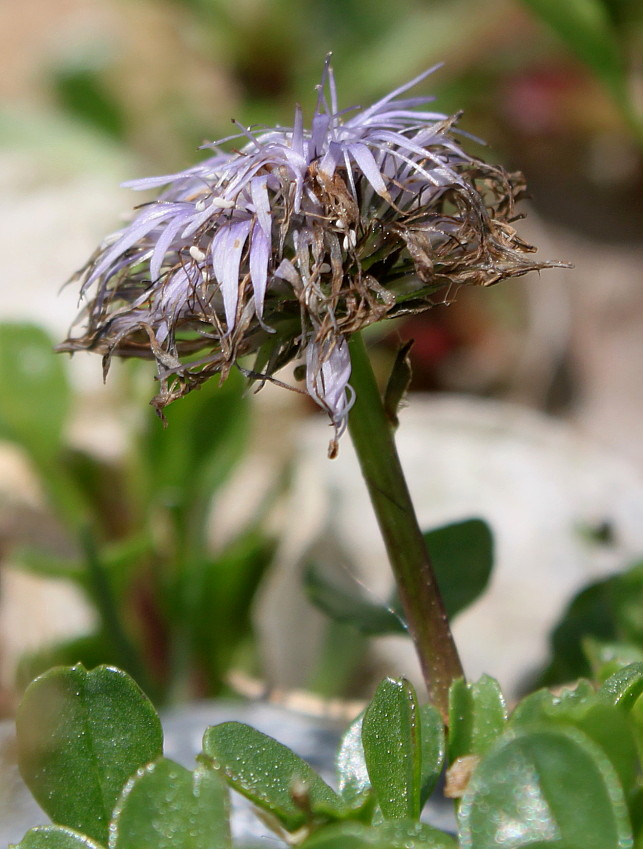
372 437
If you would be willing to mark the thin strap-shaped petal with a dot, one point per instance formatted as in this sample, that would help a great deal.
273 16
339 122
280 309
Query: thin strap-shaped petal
393 94
369 167
328 162
261 201
227 247
163 245
145 222
259 257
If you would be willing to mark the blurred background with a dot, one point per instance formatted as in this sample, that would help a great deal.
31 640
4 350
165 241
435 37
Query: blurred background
119 542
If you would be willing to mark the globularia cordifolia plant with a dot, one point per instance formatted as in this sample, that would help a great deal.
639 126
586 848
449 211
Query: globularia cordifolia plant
286 249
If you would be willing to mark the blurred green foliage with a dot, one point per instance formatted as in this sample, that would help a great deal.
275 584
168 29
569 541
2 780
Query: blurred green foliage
265 55
171 611
601 629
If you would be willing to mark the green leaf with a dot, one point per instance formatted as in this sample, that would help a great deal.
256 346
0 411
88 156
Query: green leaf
398 834
90 650
608 611
544 787
352 773
392 740
624 687
269 774
165 806
637 720
585 27
81 735
56 837
477 717
606 658
604 724
398 383
34 390
544 703
433 749
347 605
462 559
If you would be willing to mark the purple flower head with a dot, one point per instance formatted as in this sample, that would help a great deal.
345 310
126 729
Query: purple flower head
282 249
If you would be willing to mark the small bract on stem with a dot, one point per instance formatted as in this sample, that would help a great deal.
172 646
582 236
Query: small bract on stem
288 247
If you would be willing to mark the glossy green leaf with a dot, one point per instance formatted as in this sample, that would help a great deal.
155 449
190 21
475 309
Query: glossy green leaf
56 837
34 391
392 739
165 806
477 717
604 724
543 703
606 658
398 834
624 687
269 774
432 749
352 774
542 786
462 558
637 720
81 735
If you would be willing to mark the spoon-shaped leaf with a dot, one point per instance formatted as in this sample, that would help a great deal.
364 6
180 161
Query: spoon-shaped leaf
81 735
269 774
391 736
165 806
546 786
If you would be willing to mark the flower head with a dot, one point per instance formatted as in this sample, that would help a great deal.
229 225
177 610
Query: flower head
285 247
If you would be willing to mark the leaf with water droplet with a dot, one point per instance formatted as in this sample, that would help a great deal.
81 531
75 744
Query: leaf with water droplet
624 687
545 787
352 774
394 834
56 837
432 749
81 735
391 736
270 774
165 806
477 717
581 707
